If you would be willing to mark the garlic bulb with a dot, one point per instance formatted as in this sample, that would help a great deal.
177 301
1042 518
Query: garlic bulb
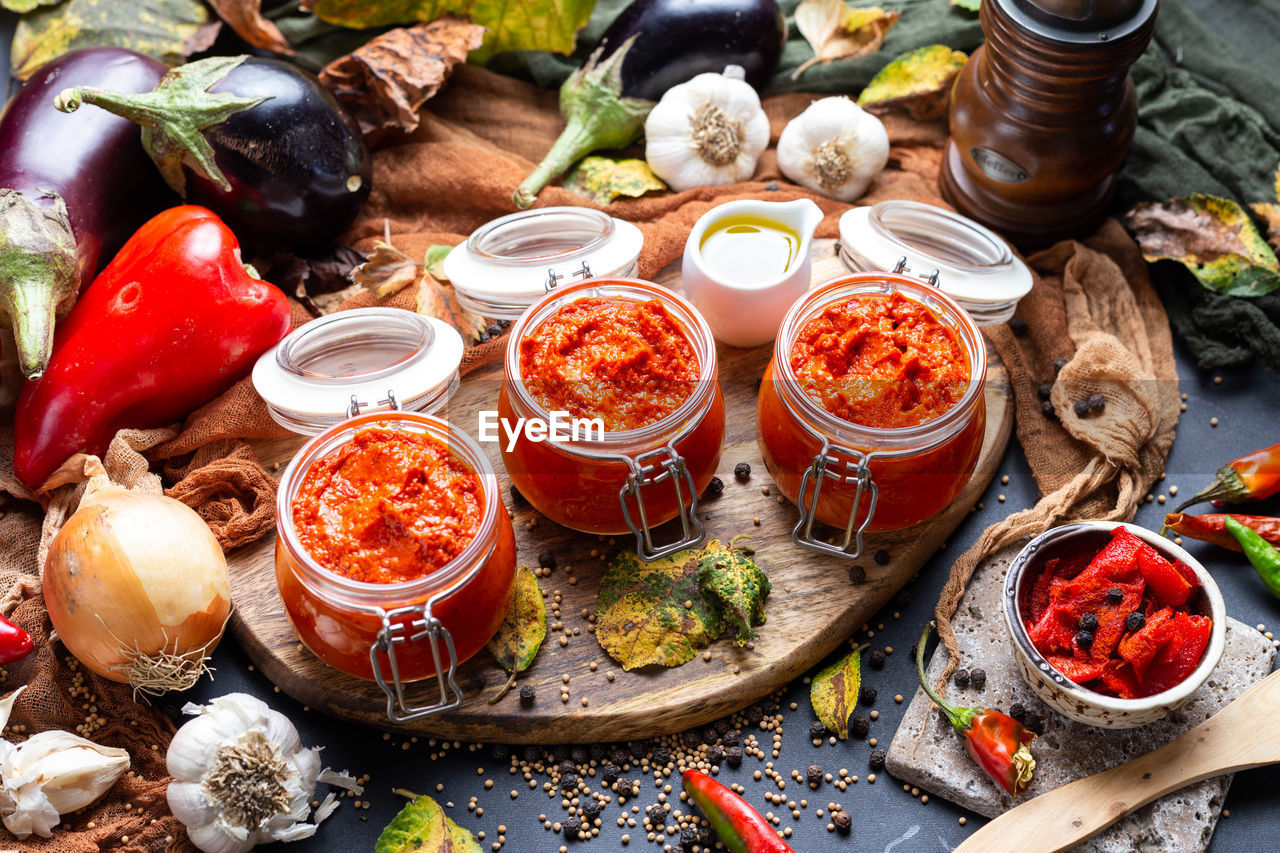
834 147
242 777
50 774
706 132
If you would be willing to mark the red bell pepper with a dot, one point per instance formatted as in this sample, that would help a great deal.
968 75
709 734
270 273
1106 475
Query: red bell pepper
173 321
740 827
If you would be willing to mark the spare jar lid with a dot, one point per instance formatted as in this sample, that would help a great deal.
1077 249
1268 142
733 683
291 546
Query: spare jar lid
351 361
971 263
507 264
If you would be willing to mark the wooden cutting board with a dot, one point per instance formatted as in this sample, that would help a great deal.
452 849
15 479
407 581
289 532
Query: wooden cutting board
813 609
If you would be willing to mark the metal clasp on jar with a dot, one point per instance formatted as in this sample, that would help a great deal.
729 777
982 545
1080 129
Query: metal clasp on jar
901 268
854 470
652 469
554 277
390 401
418 624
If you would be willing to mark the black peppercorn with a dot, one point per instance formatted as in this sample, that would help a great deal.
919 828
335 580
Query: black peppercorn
961 678
572 826
578 755
859 727
1134 621
637 748
1097 402
1045 390
609 774
483 338
499 752
1018 326
657 814
770 707
857 575
620 757
733 755
715 753
867 695
597 752
627 786
547 560
1033 723
1047 408
590 806
494 330
1058 364
692 739
882 557
1081 407
742 472
814 775
817 729
1088 622
688 836
526 695
1018 711
710 735
567 767
876 659
568 783
1115 595
476 680
977 678
559 753
721 725
754 715
532 755
660 757
517 499
731 737
877 759
842 820
714 489
1084 639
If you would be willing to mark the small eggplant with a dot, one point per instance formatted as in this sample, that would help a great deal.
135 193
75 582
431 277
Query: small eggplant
652 46
75 187
259 141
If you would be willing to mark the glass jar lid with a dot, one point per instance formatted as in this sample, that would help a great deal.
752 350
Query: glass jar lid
963 259
349 362
508 263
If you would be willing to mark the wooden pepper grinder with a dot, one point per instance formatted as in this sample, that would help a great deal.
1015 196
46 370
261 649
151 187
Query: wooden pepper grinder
1043 114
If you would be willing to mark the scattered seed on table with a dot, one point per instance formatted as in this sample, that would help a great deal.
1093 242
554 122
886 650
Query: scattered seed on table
742 472
1004 481
1213 422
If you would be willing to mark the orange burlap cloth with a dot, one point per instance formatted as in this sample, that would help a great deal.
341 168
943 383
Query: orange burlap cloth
480 138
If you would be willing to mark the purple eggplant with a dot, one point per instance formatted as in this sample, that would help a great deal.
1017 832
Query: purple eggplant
258 141
73 189
652 46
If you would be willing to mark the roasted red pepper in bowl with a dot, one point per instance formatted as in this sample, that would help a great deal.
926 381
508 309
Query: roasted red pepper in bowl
173 321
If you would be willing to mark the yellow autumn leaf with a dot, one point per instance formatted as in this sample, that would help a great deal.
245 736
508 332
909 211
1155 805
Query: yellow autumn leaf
834 692
522 630
602 179
837 31
918 82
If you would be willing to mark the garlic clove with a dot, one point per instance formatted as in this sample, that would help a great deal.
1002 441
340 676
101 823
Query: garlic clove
189 804
215 837
72 771
192 748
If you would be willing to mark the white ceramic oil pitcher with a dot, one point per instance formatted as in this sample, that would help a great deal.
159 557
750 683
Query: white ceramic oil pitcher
748 315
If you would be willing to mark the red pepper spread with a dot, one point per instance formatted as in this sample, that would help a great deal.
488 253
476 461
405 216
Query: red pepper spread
388 506
1094 598
626 362
881 361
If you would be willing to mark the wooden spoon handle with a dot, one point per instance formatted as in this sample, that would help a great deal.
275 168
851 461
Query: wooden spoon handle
1244 734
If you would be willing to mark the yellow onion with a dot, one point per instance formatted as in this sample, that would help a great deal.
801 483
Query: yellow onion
136 586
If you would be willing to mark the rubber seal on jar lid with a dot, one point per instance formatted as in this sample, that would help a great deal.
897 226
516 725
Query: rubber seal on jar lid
507 264
381 357
973 264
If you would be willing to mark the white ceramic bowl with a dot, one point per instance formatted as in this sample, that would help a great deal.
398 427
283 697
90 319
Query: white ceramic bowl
1060 692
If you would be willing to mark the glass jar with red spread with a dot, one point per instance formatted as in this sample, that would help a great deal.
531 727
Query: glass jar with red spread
627 369
871 414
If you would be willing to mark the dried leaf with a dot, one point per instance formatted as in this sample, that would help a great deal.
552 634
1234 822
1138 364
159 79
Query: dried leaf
1269 213
602 179
527 25
385 83
522 630
24 6
169 30
245 17
834 692
388 270
967 5
435 260
736 585
836 31
1213 237
439 299
918 82
423 827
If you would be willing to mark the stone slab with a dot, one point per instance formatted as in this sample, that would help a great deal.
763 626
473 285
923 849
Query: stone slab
927 753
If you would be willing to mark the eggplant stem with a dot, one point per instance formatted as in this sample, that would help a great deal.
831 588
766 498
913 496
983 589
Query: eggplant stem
39 278
174 116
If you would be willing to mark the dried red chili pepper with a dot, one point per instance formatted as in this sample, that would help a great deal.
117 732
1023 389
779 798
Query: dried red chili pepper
997 742
740 827
15 643
1249 478
1213 528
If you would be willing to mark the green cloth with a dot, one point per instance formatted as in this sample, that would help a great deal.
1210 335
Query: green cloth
1209 121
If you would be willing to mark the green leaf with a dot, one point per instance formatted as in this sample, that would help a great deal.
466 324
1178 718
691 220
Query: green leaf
602 179
526 25
24 6
654 614
169 30
918 81
423 827
967 5
522 630
1213 237
834 692
736 585
435 260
